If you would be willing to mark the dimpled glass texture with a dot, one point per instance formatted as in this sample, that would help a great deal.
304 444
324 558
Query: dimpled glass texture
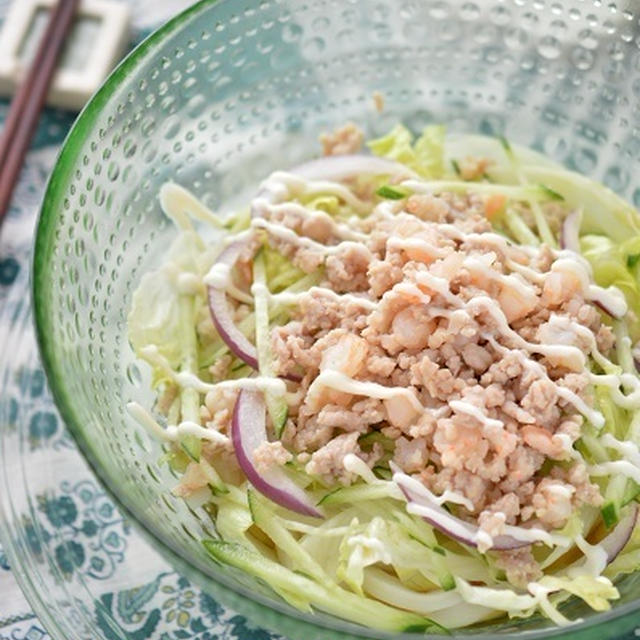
231 90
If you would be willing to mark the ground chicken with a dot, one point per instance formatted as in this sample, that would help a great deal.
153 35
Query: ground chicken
345 139
452 364
269 455
326 463
519 565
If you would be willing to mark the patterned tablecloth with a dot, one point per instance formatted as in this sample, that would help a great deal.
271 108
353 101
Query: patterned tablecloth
98 542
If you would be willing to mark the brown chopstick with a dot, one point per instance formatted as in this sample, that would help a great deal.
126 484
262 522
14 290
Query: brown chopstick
27 104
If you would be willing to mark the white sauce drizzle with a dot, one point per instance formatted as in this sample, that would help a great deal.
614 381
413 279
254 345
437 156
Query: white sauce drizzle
173 433
286 297
573 263
340 230
616 467
418 488
219 277
467 530
568 354
281 185
490 424
593 416
288 235
482 265
415 243
341 382
358 466
627 449
613 382
189 380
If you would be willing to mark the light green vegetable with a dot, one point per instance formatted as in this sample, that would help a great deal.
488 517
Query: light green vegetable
276 404
425 157
429 150
325 597
358 492
595 591
159 310
608 260
604 211
391 193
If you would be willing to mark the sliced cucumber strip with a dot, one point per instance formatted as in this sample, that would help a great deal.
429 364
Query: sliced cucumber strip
334 600
276 405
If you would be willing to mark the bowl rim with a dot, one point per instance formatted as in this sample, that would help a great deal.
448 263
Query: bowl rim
41 252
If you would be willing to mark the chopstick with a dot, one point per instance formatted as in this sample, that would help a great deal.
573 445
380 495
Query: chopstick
27 104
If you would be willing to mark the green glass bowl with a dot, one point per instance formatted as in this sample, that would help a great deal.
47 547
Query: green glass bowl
229 91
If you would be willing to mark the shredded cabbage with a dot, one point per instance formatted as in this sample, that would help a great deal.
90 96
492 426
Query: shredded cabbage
425 156
158 308
596 591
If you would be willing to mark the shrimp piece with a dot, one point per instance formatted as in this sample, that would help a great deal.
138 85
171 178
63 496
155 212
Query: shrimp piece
554 446
449 267
428 207
348 355
552 502
194 478
515 301
420 254
559 286
460 446
400 412
411 328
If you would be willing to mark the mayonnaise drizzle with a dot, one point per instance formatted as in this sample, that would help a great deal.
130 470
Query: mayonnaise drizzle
189 380
281 185
593 416
420 489
568 354
286 297
219 277
340 230
288 235
629 467
625 448
613 382
481 265
616 467
395 242
173 433
490 424
341 382
481 538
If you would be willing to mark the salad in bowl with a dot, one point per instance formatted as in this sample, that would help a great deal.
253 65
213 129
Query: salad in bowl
402 381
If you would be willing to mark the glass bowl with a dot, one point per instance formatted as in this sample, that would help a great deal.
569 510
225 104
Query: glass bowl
229 91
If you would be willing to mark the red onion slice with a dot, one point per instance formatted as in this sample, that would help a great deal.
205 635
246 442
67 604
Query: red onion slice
615 542
248 432
237 342
570 232
450 525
